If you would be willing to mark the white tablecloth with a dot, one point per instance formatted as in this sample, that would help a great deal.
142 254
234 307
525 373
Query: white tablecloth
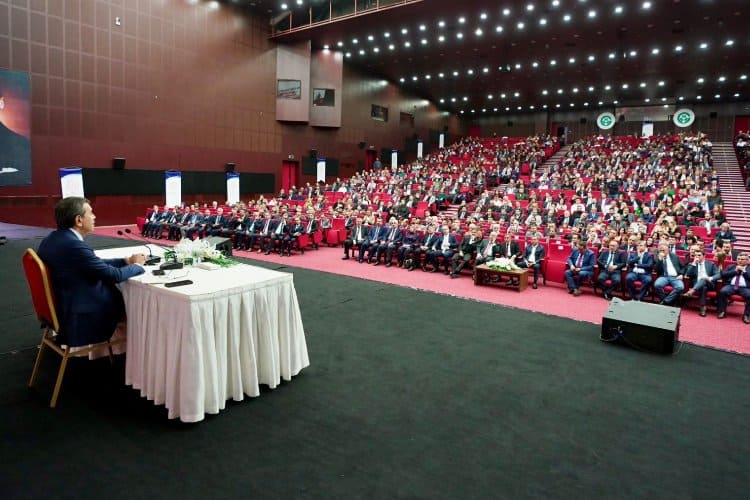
194 347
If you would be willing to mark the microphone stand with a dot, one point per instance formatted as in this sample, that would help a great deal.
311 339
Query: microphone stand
152 259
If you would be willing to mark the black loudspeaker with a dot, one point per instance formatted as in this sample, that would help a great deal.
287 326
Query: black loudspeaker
223 245
229 168
118 163
713 114
362 145
648 327
314 154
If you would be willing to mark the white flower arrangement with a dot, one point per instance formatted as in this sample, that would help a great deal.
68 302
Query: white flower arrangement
502 264
198 251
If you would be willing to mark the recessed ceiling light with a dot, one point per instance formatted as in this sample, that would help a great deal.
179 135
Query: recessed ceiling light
661 83
339 43
441 38
361 52
530 7
607 87
632 53
678 48
453 99
544 92
502 96
729 43
544 106
516 94
459 35
615 101
600 103
572 60
518 65
355 41
534 64
663 99
485 70
700 80
370 38
543 22
494 109
506 12
566 18
642 85
489 96
470 72
483 16
401 79
592 14
575 90
646 5
699 97
466 98
591 89
560 91
591 58
414 78
507 108
375 49
736 94
391 47
422 27
531 107
624 85
612 55
743 77
427 77
455 73
585 103
552 62
498 29
461 20
681 98
722 79
647 100
571 104
441 23
717 96
441 75
555 3
655 51
348 54
407 44
521 25
404 31
618 9
478 32
703 46
442 101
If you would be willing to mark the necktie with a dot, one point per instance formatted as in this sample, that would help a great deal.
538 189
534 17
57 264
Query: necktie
579 261
737 283
390 236
609 259
309 226
640 259
507 249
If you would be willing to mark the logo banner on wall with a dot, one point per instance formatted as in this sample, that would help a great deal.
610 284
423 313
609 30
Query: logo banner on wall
71 182
394 159
605 121
320 170
233 188
173 188
441 141
683 117
15 128
420 149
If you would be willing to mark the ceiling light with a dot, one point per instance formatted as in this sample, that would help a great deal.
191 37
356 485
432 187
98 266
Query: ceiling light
441 38
370 38
441 24
284 6
700 80
647 5
729 43
743 77
391 47
572 60
441 75
591 89
520 25
717 96
615 101
530 7
555 3
544 106
453 99
534 64
681 98
678 48
459 35
506 12
414 78
642 85
624 85
654 51
592 14
543 22
557 105
483 16
455 73
703 45
559 91
575 90
571 104
404 31
632 53
661 83
442 101
375 49
585 103
591 58
427 77
355 41
498 29
461 20
401 79
422 27
348 54
736 94
663 99
494 109
722 79
607 87
339 43
489 96
618 9
502 96
470 72
507 108
424 41
552 62
478 32
647 100
466 98
361 52
485 70
516 94
407 44
699 97
566 18
544 92
531 107
612 55
600 103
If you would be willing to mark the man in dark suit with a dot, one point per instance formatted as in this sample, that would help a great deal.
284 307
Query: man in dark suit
640 265
702 274
611 264
391 241
487 249
670 272
216 223
89 305
725 234
510 249
174 228
533 256
411 240
357 236
737 282
152 218
374 237
280 231
263 234
466 250
311 227
445 246
428 245
295 231
580 267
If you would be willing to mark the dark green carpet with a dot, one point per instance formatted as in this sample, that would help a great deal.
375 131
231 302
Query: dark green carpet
409 395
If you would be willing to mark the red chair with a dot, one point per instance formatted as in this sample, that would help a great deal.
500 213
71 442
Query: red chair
44 306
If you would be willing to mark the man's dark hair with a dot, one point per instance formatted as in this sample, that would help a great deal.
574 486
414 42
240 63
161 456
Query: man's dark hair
67 210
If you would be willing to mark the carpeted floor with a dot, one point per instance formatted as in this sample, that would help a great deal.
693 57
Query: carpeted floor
410 394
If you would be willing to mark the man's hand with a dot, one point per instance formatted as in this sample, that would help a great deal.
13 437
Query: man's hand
136 258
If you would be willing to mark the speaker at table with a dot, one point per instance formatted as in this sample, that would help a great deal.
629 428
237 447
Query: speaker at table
223 245
648 327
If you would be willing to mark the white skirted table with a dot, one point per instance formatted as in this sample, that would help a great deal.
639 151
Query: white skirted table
193 347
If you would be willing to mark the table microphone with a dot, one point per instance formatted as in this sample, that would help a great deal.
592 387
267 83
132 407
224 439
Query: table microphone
152 259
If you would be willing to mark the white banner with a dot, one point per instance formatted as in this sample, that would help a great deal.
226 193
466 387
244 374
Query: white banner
441 141
394 159
420 149
71 182
647 129
321 164
233 188
173 188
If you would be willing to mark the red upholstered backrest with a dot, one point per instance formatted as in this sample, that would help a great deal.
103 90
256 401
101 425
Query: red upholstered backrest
40 288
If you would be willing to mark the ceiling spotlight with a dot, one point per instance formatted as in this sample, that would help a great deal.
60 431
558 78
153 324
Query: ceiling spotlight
647 100
700 80
483 16
572 60
722 79
498 29
607 87
424 41
521 25
441 38
552 62
743 77
555 3
592 14
407 44
404 31
729 43
736 94
459 35
485 70
646 5
478 32
559 91
422 27
530 7
612 55
461 20
534 64
632 53
414 78
518 65
441 24
544 92
391 47
543 22
699 97
661 83
566 18
489 96
506 12
624 85
441 75
591 58
654 51
642 85
370 37
355 41
339 44
591 89
387 34
717 96
678 48
375 49
455 73
703 46
618 9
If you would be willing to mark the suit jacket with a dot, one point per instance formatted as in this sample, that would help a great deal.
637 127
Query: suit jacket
646 263
587 263
376 233
364 233
730 273
661 266
311 226
691 270
538 253
728 236
468 247
398 236
515 250
452 242
482 248
411 238
618 260
430 240
89 305
296 229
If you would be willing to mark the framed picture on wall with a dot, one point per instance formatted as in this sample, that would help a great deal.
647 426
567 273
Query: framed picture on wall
288 89
324 97
379 113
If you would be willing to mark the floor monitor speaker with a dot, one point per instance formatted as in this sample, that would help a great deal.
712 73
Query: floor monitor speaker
223 245
118 163
648 327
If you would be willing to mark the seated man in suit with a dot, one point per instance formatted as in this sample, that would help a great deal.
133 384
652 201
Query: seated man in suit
640 265
411 240
670 272
428 245
736 279
391 241
611 264
580 267
89 304
466 250
533 256
357 236
280 231
487 249
295 231
444 247
510 249
311 227
702 274
373 240
216 223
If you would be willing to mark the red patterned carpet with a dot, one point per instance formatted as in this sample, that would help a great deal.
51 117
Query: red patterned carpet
729 334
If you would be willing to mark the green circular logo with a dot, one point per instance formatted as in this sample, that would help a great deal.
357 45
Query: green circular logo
605 121
684 117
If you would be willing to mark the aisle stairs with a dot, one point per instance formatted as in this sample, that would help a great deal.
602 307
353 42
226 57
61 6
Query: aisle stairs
736 199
